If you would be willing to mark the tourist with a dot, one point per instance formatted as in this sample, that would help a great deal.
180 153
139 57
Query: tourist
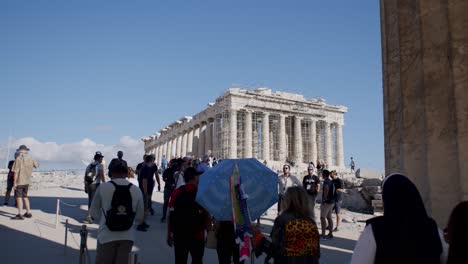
405 233
187 221
203 166
179 174
115 160
328 202
226 246
339 190
294 236
457 234
94 176
352 165
131 177
22 172
10 182
163 164
116 206
285 181
148 172
139 165
320 166
311 184
169 186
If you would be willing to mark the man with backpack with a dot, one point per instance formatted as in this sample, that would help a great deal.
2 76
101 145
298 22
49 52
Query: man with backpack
116 206
94 176
187 221
328 202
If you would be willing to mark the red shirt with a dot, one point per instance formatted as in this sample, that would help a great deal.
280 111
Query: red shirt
190 188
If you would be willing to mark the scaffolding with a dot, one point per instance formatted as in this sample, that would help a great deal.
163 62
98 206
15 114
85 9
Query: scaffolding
221 151
257 129
241 134
306 127
334 144
290 148
274 121
320 140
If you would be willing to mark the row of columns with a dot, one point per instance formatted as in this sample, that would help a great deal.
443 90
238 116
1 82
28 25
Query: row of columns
200 140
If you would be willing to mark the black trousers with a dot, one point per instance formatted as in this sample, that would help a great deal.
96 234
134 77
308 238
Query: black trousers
184 246
167 195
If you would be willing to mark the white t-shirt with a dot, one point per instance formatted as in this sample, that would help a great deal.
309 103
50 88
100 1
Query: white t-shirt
180 180
102 203
366 247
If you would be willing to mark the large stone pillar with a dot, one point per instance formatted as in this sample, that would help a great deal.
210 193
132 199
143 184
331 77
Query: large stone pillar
174 146
298 139
328 144
313 141
425 66
190 143
184 144
209 137
179 145
233 134
282 138
339 146
201 141
196 140
169 149
248 135
266 136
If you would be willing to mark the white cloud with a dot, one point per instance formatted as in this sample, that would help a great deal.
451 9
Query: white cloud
75 152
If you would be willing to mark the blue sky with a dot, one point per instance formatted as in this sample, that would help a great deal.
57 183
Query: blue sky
102 70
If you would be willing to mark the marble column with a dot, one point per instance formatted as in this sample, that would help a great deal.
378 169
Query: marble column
425 65
156 152
209 137
298 140
248 135
190 143
339 146
169 149
196 138
202 140
266 136
233 134
282 138
179 145
313 141
328 145
174 146
184 143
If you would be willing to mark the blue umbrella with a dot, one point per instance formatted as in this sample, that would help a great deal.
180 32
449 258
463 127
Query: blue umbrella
259 183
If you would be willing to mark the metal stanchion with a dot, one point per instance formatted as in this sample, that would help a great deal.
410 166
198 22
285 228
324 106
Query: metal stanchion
132 258
66 237
83 244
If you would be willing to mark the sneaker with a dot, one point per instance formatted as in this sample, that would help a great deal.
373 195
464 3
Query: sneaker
330 236
141 228
17 217
27 215
5 203
336 229
145 225
88 220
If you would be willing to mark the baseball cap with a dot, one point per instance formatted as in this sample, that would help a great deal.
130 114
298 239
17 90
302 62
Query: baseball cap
98 153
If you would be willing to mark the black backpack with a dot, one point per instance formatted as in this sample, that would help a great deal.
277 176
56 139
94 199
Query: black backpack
120 216
90 173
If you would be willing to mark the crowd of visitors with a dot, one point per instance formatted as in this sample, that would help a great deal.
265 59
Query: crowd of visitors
404 234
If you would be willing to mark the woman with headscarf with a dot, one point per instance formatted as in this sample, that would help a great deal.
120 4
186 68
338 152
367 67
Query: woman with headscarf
404 234
457 234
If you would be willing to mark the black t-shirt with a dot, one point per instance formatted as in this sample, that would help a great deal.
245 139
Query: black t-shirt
147 172
138 168
331 191
338 183
310 184
168 178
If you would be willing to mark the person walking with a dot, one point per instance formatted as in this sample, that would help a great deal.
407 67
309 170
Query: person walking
339 190
456 234
187 236
117 204
352 165
22 172
294 237
311 184
148 172
169 186
163 164
405 233
10 182
94 176
328 202
285 181
114 161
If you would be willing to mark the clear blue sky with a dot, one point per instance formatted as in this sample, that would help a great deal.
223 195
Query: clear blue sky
101 70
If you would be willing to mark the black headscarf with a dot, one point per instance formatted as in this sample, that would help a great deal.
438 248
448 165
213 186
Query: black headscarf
405 234
458 234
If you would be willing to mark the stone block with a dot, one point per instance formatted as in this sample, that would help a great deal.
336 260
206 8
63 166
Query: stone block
369 174
371 182
354 200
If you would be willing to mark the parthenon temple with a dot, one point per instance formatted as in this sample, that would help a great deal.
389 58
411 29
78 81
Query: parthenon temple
264 124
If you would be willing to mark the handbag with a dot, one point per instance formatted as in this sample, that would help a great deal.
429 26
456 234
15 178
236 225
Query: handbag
211 239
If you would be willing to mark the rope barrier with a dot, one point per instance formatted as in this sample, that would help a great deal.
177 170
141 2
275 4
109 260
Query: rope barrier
70 205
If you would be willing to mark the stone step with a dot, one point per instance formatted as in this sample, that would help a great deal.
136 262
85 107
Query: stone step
378 196
377 204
